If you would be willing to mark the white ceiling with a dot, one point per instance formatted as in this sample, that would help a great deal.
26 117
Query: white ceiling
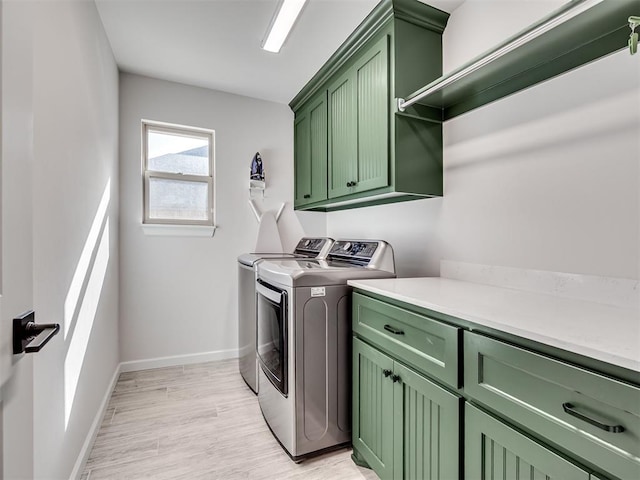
216 43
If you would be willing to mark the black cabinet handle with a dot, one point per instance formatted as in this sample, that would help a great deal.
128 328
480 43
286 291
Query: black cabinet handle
394 330
570 409
307 196
387 372
396 378
351 184
348 184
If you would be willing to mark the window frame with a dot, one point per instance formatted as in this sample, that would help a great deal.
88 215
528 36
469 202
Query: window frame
148 126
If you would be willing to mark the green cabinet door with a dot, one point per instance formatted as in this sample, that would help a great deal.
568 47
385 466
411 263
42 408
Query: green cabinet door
359 124
310 152
342 135
495 451
302 157
372 432
372 86
427 425
404 426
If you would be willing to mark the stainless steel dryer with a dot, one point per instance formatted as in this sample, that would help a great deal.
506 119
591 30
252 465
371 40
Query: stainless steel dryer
304 343
306 248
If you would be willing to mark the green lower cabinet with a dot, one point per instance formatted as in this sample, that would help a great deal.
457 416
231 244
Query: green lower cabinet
495 451
404 426
527 415
585 415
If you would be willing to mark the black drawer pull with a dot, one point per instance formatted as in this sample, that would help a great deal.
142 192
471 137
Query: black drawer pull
307 196
570 409
396 378
387 372
394 330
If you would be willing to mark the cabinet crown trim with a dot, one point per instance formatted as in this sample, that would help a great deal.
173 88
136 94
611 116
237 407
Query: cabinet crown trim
411 11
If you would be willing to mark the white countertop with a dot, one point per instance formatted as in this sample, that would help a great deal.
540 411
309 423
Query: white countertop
603 332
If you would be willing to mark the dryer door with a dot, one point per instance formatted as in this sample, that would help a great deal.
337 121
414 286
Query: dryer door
272 333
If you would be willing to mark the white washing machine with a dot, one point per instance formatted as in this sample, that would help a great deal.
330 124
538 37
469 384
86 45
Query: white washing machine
304 343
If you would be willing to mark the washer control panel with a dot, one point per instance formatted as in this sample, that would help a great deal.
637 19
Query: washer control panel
352 249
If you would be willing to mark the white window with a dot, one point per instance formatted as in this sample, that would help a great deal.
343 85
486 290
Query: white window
178 174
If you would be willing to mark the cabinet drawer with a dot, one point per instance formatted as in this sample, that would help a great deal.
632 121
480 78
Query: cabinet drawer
584 413
426 344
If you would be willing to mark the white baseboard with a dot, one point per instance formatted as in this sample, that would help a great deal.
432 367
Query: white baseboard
135 365
95 428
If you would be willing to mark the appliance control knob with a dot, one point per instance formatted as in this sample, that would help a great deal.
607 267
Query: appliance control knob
347 246
306 244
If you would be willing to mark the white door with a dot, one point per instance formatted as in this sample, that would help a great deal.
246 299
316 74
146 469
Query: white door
16 260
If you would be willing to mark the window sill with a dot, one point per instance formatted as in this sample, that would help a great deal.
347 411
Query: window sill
178 230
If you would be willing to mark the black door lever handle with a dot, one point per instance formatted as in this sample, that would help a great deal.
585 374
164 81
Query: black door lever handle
28 336
36 328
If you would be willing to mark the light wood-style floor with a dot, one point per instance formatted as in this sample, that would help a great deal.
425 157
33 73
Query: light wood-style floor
197 422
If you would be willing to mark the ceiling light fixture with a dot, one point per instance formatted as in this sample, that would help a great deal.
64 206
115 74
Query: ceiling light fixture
281 24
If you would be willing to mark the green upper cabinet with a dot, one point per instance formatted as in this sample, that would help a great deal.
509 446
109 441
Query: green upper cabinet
310 141
376 154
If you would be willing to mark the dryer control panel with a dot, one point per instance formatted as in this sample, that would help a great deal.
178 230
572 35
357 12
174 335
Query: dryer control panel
314 247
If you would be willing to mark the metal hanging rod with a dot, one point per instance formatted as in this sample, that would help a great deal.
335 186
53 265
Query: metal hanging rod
564 14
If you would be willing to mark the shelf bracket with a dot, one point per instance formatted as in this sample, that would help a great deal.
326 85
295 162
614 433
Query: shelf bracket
634 22
280 210
254 209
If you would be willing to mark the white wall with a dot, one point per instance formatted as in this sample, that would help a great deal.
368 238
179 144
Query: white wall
178 295
76 169
72 85
546 179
